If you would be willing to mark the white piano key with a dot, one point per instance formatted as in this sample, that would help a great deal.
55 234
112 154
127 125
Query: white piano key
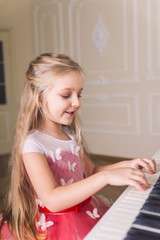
115 219
109 234
117 227
132 199
120 214
128 207
128 210
109 237
137 197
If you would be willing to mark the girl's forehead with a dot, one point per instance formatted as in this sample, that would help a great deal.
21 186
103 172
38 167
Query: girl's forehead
69 81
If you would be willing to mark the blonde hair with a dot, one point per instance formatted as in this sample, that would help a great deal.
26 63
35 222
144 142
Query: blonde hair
21 211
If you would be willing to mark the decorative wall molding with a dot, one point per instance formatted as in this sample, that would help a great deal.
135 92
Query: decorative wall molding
126 107
154 114
5 114
39 27
151 75
100 36
42 27
75 45
102 102
103 81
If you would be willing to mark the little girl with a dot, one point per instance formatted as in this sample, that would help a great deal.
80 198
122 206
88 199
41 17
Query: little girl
53 180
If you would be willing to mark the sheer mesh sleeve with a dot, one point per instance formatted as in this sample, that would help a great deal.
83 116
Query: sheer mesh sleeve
30 145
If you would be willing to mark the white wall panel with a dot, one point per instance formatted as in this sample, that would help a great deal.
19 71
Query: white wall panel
113 114
153 37
154 114
48 27
117 42
103 45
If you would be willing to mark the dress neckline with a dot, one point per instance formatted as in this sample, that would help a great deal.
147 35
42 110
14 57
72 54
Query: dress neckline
57 139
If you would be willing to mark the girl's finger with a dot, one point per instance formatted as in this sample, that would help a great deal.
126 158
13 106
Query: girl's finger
139 176
151 162
137 185
142 164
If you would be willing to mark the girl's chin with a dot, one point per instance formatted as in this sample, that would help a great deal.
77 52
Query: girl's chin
68 122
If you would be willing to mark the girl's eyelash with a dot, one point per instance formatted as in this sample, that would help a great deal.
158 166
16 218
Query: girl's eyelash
67 96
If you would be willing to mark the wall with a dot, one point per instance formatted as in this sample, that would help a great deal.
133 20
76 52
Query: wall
16 16
117 44
16 22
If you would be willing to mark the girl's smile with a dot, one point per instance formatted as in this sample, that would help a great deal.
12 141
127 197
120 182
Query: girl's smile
70 113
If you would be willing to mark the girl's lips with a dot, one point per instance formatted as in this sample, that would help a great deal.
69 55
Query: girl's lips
70 113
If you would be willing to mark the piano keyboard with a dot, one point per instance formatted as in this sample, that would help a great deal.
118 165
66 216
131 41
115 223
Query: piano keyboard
134 216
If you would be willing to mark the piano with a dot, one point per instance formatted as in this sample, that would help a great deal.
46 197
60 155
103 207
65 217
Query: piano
135 215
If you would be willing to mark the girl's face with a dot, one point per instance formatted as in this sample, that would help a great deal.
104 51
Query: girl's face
64 99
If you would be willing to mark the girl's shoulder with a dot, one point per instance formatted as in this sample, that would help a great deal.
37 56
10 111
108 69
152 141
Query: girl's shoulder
34 135
33 142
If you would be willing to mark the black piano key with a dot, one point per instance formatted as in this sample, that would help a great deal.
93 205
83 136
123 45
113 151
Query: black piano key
157 183
158 180
151 207
152 204
139 234
155 195
153 199
157 187
155 192
148 220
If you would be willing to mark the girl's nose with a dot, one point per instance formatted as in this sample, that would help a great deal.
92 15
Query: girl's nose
76 102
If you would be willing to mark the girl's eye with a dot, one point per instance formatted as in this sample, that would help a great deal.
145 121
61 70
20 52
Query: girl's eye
65 96
68 96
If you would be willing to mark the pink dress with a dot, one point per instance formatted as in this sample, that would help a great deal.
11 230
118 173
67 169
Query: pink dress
65 164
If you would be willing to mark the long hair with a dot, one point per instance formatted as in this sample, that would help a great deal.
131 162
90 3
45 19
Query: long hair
21 211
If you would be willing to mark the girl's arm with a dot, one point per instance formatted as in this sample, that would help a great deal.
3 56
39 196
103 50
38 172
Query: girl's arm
138 163
57 198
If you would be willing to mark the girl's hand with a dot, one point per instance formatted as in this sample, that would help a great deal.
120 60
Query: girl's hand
127 176
148 164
